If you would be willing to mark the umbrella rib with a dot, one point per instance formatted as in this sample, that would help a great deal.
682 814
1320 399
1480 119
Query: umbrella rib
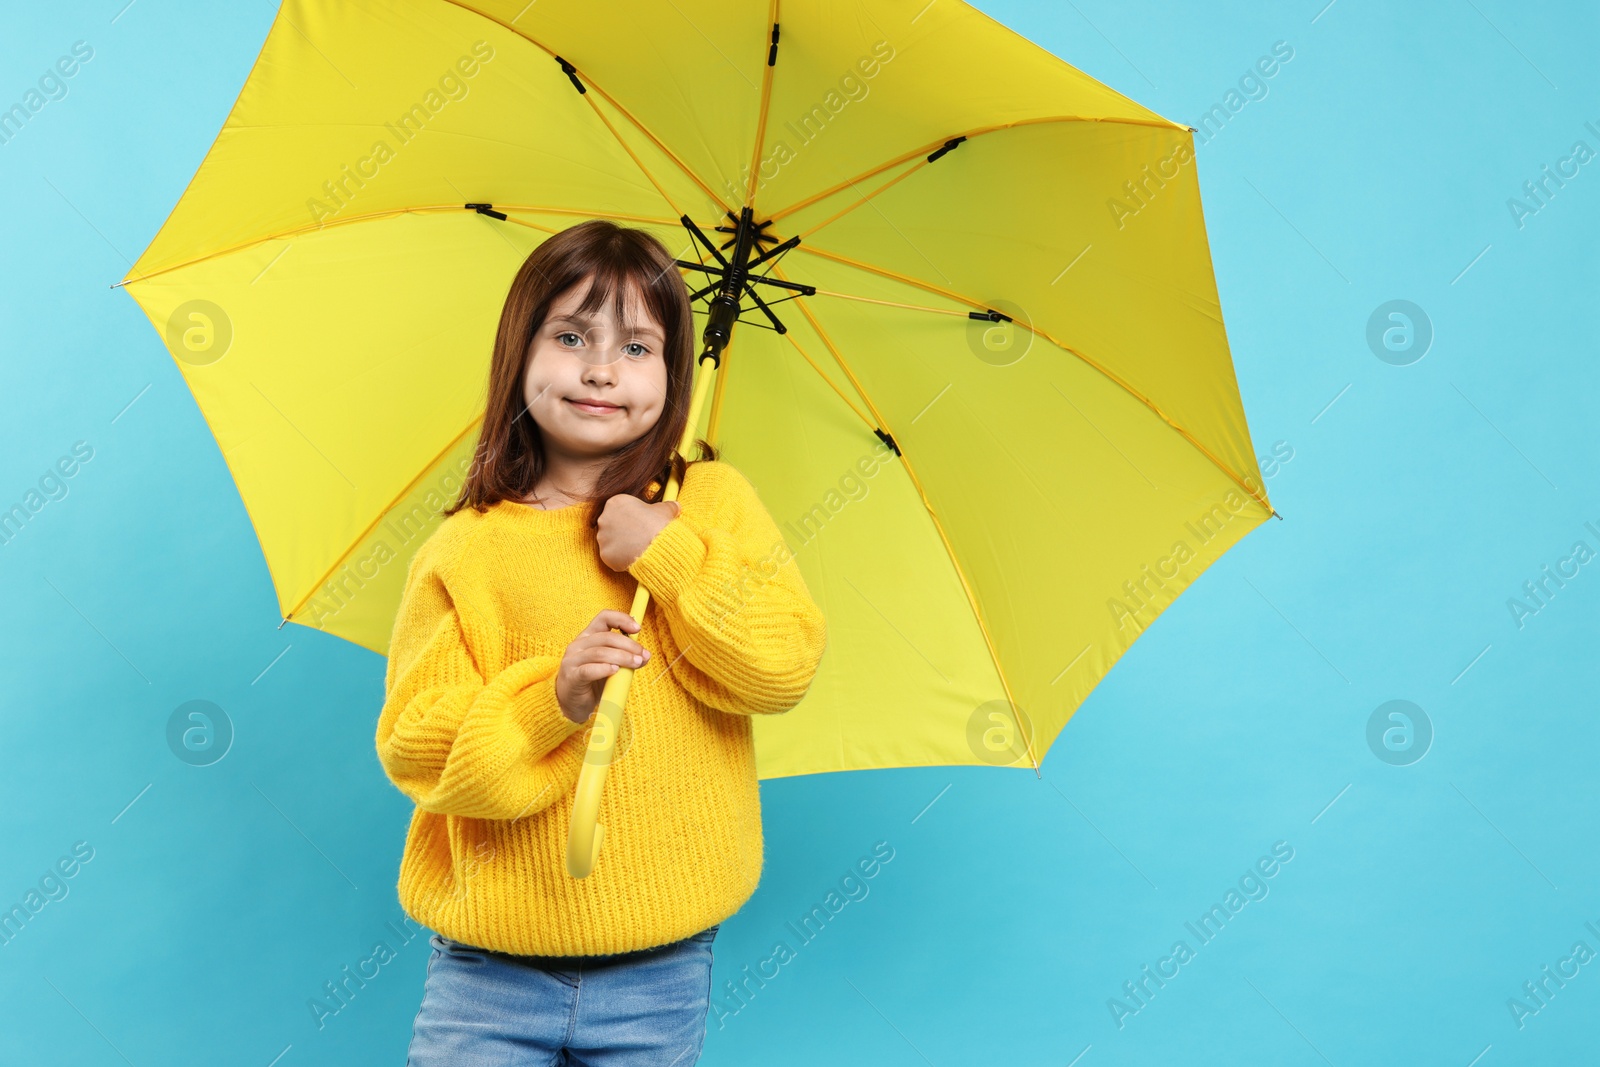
1257 495
424 209
382 514
891 303
512 29
216 140
590 83
832 384
905 460
933 146
635 157
902 176
761 112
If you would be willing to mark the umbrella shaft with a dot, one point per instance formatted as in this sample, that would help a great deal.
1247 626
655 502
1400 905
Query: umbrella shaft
725 305
584 833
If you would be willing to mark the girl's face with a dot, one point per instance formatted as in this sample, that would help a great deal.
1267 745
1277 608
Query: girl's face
591 385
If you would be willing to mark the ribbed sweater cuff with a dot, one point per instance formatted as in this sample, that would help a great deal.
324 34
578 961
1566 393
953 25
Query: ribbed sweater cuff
534 705
670 563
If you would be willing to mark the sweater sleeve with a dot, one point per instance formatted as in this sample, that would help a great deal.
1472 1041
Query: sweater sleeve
749 636
455 742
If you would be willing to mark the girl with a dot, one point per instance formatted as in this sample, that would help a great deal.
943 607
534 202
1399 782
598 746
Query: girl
502 646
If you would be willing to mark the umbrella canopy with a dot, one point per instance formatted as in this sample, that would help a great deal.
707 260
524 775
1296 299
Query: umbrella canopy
989 509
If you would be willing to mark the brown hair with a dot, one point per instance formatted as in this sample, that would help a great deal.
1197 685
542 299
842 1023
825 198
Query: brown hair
509 459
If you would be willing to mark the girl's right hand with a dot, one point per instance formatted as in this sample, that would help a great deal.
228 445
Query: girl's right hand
592 658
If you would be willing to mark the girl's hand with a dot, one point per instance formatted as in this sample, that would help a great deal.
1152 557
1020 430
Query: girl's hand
594 656
626 527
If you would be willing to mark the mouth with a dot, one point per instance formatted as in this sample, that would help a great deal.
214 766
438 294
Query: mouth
593 407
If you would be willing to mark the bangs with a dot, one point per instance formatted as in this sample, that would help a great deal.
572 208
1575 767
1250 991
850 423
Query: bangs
617 279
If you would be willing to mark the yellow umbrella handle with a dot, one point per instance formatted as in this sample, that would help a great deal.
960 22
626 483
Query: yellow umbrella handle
586 835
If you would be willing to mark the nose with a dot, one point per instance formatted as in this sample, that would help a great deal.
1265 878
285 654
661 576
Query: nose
599 371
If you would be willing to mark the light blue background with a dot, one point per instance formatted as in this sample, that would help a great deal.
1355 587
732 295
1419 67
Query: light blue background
1418 500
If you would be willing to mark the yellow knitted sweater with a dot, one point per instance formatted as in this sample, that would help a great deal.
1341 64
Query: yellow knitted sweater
472 732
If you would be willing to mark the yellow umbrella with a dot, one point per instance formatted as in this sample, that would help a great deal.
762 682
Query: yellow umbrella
994 413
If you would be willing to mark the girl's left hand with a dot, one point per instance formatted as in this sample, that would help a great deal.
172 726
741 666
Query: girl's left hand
626 527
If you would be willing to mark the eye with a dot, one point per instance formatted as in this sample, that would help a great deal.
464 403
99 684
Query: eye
566 333
643 351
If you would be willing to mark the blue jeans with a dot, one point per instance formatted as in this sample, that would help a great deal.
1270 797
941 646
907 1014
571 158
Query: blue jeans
491 1009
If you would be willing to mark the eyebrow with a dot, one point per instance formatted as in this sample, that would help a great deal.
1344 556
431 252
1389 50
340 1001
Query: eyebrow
577 320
